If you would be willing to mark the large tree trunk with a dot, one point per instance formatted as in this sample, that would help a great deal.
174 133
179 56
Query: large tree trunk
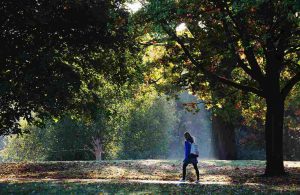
223 139
274 135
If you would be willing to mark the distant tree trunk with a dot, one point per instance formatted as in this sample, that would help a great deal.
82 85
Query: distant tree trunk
274 135
223 139
98 156
96 148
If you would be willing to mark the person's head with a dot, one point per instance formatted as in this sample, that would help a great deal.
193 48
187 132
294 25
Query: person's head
188 137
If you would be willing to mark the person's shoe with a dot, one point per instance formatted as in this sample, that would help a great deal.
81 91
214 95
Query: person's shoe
197 181
182 180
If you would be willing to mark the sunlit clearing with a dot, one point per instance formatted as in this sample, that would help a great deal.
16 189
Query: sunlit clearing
134 7
181 27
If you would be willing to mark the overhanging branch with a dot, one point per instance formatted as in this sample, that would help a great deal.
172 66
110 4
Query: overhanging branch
239 86
208 73
240 62
249 51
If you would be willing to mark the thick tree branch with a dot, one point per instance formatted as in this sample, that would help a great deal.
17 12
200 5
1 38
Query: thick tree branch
209 73
239 86
290 84
240 62
244 36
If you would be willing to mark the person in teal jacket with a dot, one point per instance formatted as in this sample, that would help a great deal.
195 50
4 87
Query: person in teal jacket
188 157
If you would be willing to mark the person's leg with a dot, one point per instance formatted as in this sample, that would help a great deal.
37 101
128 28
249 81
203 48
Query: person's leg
184 170
196 169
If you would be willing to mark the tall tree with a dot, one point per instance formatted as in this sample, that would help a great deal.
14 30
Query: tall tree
257 40
46 47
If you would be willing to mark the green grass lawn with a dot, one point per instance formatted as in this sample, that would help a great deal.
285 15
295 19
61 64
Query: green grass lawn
122 177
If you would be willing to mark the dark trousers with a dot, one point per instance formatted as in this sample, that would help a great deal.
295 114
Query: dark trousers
184 170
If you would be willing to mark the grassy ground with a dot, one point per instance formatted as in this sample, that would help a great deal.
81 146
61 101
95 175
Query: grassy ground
235 177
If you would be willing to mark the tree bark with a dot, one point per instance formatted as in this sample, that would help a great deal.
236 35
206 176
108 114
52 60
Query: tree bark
98 155
223 139
274 135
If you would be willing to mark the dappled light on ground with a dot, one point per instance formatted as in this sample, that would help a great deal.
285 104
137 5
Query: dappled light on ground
145 177
237 172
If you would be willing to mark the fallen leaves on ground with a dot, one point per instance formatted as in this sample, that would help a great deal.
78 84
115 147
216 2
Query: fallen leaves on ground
235 172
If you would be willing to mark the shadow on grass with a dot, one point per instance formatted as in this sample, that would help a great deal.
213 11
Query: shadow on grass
241 172
135 188
55 170
235 172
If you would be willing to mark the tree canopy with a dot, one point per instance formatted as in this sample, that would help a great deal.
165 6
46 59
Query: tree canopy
48 47
252 46
57 55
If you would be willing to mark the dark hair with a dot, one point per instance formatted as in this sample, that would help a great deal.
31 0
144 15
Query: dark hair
188 137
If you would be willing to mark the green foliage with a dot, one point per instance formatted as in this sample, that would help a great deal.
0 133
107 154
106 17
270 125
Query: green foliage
26 147
216 35
127 128
47 48
68 139
148 132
